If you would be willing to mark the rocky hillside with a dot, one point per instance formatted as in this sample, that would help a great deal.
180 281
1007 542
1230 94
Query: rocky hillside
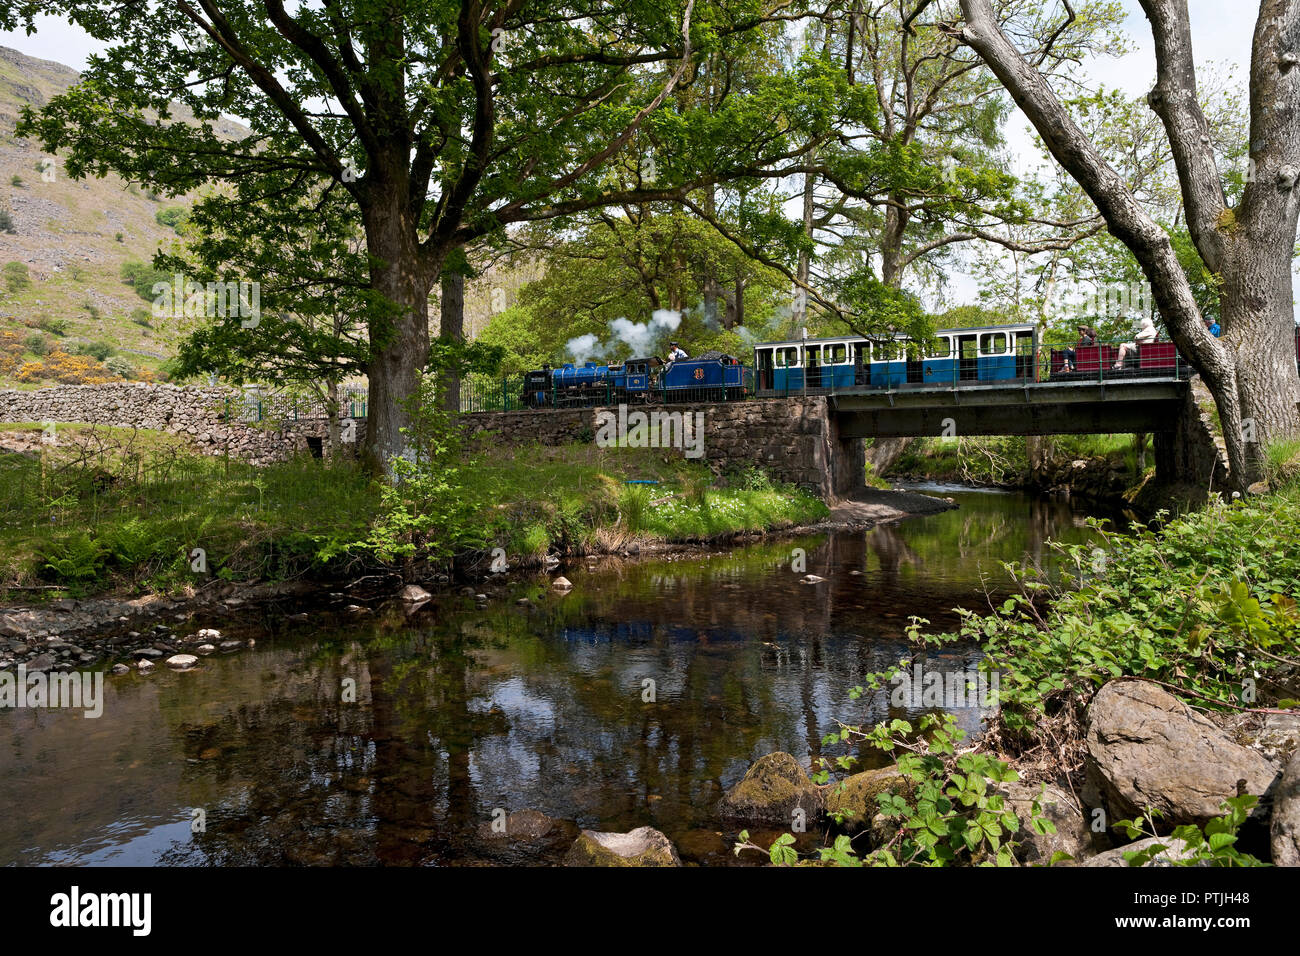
72 239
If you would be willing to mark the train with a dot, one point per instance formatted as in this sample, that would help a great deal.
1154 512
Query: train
994 354
713 376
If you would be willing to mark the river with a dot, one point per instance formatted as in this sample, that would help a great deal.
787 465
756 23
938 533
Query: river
635 699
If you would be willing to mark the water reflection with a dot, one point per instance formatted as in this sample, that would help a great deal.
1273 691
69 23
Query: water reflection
458 712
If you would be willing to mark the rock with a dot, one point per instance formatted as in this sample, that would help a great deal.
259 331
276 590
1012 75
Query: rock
1177 851
811 579
357 610
523 602
152 653
41 662
644 846
1148 749
204 649
771 791
562 584
520 825
1072 836
144 665
633 548
414 593
1284 832
230 645
208 634
182 662
855 797
120 669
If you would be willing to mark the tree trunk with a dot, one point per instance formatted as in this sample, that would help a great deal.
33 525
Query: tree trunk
452 326
399 348
1251 372
332 442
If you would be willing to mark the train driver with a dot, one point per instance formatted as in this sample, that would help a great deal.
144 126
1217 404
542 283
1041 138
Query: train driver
675 353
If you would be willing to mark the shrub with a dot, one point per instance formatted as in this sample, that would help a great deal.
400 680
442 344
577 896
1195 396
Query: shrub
57 327
141 317
173 217
121 366
6 221
37 343
16 181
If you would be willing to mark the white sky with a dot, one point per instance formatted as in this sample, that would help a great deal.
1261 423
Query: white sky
1221 35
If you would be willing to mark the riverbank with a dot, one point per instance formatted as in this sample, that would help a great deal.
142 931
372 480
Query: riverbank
144 525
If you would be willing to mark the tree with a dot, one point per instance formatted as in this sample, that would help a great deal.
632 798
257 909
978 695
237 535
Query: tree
442 123
313 297
1251 370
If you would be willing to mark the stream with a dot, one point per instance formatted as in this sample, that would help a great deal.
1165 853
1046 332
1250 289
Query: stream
636 699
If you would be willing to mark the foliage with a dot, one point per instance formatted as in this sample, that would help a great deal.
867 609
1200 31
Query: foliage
1205 604
948 814
1216 845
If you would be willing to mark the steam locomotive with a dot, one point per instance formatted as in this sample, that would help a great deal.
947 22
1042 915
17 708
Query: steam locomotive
713 376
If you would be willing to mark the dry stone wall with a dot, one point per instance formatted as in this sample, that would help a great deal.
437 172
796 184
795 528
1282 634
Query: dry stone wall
212 417
795 440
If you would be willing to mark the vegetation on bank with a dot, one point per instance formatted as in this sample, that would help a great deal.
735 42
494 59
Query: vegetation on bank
1205 605
1004 461
115 508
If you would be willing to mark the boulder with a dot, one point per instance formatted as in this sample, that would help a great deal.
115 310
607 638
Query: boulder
644 846
1072 835
1146 748
855 797
771 791
1177 850
1285 829
414 593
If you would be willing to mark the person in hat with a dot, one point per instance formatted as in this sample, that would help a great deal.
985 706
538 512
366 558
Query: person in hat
675 353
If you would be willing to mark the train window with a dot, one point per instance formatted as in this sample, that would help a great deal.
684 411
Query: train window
812 355
941 348
787 357
837 354
993 343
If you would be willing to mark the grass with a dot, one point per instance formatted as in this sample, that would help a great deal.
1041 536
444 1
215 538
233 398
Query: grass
122 509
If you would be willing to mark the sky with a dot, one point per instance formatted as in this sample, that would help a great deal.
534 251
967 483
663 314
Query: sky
1221 35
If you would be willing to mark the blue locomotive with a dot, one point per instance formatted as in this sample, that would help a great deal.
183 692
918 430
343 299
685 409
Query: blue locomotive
712 376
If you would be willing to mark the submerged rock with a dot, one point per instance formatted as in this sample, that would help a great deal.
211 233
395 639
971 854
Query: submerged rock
1146 748
811 579
644 846
773 789
562 584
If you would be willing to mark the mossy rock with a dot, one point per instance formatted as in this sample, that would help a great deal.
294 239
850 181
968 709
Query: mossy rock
773 789
644 846
855 797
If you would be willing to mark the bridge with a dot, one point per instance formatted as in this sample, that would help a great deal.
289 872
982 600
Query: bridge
1020 408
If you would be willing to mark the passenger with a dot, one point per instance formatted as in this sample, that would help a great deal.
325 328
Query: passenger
1087 337
1146 335
675 353
1212 327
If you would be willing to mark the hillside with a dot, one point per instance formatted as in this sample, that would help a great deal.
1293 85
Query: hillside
73 238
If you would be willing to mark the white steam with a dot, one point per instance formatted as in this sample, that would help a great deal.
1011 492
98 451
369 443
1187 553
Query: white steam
640 337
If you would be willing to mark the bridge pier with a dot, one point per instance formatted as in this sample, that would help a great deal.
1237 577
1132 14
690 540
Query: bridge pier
1191 451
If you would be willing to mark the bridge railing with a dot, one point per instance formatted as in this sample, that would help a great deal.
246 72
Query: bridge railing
254 407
